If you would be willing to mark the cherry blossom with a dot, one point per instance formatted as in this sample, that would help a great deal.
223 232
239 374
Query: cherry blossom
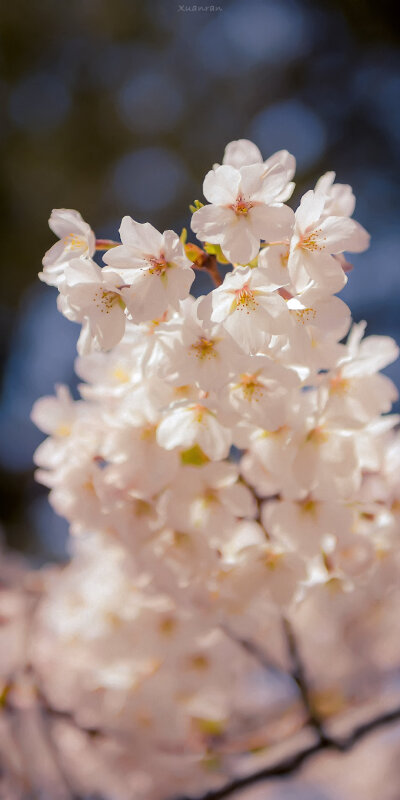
317 237
244 208
243 152
339 198
203 351
249 308
92 297
76 240
261 392
186 425
208 499
154 268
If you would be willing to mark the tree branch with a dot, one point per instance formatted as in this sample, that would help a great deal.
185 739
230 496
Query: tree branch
290 764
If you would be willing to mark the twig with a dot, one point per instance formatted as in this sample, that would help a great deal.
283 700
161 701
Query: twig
290 765
207 262
258 501
253 650
106 244
298 674
204 262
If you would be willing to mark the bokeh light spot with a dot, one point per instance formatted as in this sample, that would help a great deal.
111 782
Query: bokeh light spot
39 102
293 126
151 102
149 178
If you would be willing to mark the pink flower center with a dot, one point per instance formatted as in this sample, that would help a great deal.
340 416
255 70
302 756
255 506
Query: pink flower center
241 207
313 242
338 385
244 299
75 242
199 411
317 435
304 316
158 264
203 348
106 300
251 388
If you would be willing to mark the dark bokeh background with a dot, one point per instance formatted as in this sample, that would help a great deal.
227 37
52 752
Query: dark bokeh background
120 107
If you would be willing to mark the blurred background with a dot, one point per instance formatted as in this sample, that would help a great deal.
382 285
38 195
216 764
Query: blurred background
120 107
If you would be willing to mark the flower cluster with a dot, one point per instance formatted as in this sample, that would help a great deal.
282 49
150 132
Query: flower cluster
229 456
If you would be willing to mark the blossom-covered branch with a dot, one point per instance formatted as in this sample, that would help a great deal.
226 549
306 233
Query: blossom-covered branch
232 460
289 765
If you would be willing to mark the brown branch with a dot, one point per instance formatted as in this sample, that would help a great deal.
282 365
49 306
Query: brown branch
204 262
208 263
211 266
297 672
290 764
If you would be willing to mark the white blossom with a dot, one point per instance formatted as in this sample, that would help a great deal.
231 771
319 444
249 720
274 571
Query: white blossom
243 152
317 237
249 308
230 460
93 297
76 239
244 209
186 425
153 267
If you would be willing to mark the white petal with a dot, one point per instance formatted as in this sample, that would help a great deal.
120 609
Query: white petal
221 185
239 243
310 210
272 223
210 222
285 159
241 153
337 234
82 270
251 180
64 221
141 236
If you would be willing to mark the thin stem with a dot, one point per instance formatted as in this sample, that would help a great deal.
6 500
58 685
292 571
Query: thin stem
258 500
298 674
273 244
253 650
106 244
208 263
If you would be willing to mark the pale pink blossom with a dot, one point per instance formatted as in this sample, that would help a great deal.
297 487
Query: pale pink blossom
93 297
243 153
249 308
186 425
153 267
76 240
244 209
230 461
317 237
